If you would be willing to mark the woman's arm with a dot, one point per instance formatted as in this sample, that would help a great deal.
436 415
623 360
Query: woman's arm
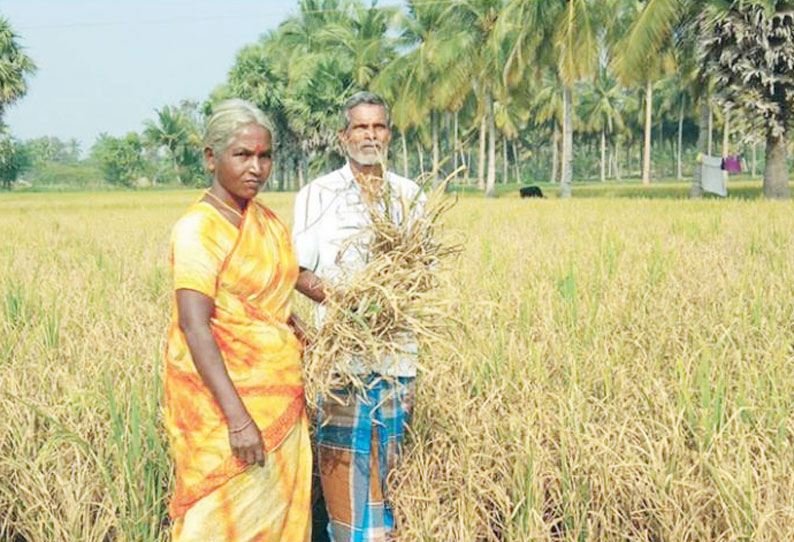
195 310
299 328
310 285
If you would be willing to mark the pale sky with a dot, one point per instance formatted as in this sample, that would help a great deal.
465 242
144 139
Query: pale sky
105 66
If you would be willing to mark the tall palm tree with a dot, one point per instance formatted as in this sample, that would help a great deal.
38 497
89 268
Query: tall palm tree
645 74
547 108
558 33
668 24
484 59
429 77
15 68
602 104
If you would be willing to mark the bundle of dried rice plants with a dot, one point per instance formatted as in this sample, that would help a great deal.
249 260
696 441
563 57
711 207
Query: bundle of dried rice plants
392 300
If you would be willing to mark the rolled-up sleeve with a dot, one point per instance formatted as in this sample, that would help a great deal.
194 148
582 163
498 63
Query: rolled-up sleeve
305 229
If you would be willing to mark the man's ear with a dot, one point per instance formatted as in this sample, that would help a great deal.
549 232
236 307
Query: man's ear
209 159
343 138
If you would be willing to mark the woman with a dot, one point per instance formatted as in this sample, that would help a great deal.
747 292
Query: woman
234 406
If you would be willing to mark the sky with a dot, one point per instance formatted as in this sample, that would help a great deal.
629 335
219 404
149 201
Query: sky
106 66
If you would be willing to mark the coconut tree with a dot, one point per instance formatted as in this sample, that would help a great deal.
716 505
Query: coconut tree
748 49
547 108
665 25
601 107
646 73
361 36
561 34
429 77
170 130
15 68
484 59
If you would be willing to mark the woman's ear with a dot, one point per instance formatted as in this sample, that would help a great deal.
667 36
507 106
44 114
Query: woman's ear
209 159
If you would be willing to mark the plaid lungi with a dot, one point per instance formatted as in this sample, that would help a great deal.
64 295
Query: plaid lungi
358 444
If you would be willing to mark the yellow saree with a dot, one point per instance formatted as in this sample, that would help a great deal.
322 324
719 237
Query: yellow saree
250 273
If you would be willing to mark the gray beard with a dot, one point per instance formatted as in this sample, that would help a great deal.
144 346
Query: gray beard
378 158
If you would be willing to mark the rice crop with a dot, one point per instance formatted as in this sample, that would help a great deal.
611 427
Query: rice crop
623 372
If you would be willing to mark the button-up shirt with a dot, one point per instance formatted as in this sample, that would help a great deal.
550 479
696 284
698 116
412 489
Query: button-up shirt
328 212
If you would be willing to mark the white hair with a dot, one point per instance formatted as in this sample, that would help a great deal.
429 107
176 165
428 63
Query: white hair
228 117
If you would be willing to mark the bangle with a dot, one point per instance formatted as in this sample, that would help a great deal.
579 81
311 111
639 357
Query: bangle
238 429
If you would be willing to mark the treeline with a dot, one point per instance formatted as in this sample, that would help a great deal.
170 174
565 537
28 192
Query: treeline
547 90
166 152
505 90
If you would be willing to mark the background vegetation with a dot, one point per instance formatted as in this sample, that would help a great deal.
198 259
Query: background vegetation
513 90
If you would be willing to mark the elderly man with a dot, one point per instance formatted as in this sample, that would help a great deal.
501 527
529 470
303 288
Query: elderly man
358 442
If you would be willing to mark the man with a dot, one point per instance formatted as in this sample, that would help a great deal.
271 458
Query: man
358 442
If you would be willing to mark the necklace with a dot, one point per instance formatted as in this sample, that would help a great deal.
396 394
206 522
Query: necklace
228 207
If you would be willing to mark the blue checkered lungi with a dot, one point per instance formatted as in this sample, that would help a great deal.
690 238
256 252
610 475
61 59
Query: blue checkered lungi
358 443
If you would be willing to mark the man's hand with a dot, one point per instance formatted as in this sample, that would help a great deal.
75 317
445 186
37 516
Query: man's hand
310 285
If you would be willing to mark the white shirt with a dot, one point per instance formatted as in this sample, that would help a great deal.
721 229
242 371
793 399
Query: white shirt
328 212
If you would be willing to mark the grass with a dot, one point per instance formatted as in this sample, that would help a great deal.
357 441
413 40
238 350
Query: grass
625 371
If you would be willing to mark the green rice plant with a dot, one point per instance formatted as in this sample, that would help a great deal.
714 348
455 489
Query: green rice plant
51 327
139 461
19 307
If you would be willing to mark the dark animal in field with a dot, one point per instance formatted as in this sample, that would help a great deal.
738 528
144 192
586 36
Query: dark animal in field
531 192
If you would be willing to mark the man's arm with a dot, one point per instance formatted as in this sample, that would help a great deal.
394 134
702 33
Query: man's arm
310 285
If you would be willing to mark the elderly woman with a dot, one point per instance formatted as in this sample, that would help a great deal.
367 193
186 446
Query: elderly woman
234 406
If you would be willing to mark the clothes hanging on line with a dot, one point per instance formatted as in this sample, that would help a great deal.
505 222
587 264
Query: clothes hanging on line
712 178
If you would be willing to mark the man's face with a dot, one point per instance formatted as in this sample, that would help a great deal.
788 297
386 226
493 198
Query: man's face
367 137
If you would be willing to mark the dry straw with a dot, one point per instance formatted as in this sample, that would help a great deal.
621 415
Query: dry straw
390 300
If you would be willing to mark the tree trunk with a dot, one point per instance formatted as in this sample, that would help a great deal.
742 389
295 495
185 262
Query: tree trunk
617 160
468 165
646 153
679 170
436 165
481 156
504 160
420 151
755 159
555 158
567 144
455 148
176 168
515 162
703 127
711 128
405 153
603 155
776 171
726 139
490 187
300 172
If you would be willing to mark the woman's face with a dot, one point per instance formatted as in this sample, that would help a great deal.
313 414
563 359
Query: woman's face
242 169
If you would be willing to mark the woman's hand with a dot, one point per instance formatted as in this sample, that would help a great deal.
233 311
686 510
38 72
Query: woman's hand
247 444
300 329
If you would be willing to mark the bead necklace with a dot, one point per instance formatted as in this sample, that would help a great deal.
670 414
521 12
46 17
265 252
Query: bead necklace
228 207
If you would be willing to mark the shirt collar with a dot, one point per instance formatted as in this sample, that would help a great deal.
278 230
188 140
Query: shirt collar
350 180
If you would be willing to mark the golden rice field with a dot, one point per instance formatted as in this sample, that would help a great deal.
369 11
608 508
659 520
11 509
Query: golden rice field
625 372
